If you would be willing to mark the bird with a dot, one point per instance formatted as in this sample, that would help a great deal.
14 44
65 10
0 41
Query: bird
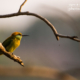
13 42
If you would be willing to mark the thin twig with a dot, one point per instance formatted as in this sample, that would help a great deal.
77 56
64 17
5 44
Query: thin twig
22 6
75 38
10 55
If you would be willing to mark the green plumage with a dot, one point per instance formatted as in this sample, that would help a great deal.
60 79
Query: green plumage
12 42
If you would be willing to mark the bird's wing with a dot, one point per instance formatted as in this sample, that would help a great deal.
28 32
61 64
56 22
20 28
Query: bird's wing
7 42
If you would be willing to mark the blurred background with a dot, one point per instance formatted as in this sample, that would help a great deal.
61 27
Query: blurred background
44 57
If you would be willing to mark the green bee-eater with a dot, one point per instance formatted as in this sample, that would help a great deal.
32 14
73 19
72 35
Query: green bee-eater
12 42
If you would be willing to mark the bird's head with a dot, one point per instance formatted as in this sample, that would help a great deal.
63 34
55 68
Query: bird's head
18 35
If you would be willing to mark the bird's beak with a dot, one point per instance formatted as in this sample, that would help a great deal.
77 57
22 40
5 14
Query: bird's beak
25 35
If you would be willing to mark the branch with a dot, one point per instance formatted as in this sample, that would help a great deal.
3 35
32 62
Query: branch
10 55
57 35
75 38
33 14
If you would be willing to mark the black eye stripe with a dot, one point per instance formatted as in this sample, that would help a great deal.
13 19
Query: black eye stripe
19 34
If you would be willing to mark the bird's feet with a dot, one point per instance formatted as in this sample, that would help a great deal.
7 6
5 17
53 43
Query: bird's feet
18 56
12 53
15 55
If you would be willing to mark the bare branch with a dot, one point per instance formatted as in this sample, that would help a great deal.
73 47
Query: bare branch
70 37
33 14
22 6
57 35
10 55
45 20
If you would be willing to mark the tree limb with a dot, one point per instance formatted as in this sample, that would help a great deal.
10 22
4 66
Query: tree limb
75 38
33 14
10 55
57 35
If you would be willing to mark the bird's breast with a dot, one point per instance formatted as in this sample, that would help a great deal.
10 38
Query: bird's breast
14 44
